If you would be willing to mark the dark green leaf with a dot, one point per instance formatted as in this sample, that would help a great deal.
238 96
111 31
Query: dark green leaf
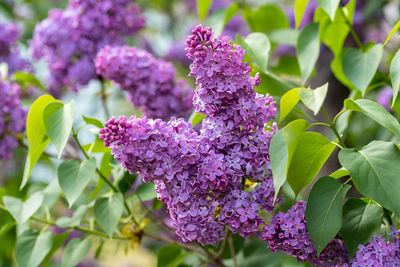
313 99
146 191
324 210
73 177
108 211
75 252
167 255
307 48
32 248
58 118
361 222
395 75
266 19
312 150
22 211
360 67
369 169
75 220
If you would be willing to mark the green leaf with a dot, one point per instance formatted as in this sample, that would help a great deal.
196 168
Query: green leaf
219 18
376 112
108 211
74 177
371 175
196 118
96 147
26 79
324 211
32 248
272 85
284 36
395 75
288 101
22 211
146 192
329 6
313 99
337 69
307 48
167 255
266 19
75 220
93 121
335 33
339 173
312 150
75 252
202 8
362 222
36 133
299 8
58 118
257 46
395 28
360 67
281 150
58 242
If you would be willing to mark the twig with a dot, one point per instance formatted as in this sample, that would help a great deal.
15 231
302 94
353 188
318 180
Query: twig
232 250
224 243
353 32
333 127
103 96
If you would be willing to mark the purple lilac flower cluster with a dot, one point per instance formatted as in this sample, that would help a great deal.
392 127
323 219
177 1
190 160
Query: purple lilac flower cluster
12 119
68 40
288 233
150 82
9 34
202 176
378 252
384 98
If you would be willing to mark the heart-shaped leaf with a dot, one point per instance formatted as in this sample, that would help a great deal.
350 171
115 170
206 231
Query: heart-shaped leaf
32 248
313 99
360 67
395 75
75 252
22 211
58 118
324 210
73 177
257 46
93 121
288 101
108 211
307 49
371 175
75 220
329 6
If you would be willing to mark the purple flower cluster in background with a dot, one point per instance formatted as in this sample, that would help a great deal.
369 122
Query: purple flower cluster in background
202 177
378 252
288 233
150 82
384 98
68 40
12 119
9 54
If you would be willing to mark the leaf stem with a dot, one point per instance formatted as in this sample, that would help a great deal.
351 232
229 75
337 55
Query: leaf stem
353 32
103 96
333 127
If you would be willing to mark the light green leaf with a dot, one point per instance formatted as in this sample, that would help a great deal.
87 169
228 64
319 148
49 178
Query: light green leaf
75 252
58 118
312 150
376 112
93 121
257 46
284 36
299 8
281 150
360 67
339 173
108 211
395 28
362 221
26 79
329 6
395 75
73 177
22 211
313 99
32 248
75 220
96 147
369 169
307 48
324 211
36 133
288 101
202 8
266 18
196 118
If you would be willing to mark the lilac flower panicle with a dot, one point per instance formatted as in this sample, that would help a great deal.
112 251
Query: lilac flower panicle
9 54
201 176
150 82
68 40
288 233
12 119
